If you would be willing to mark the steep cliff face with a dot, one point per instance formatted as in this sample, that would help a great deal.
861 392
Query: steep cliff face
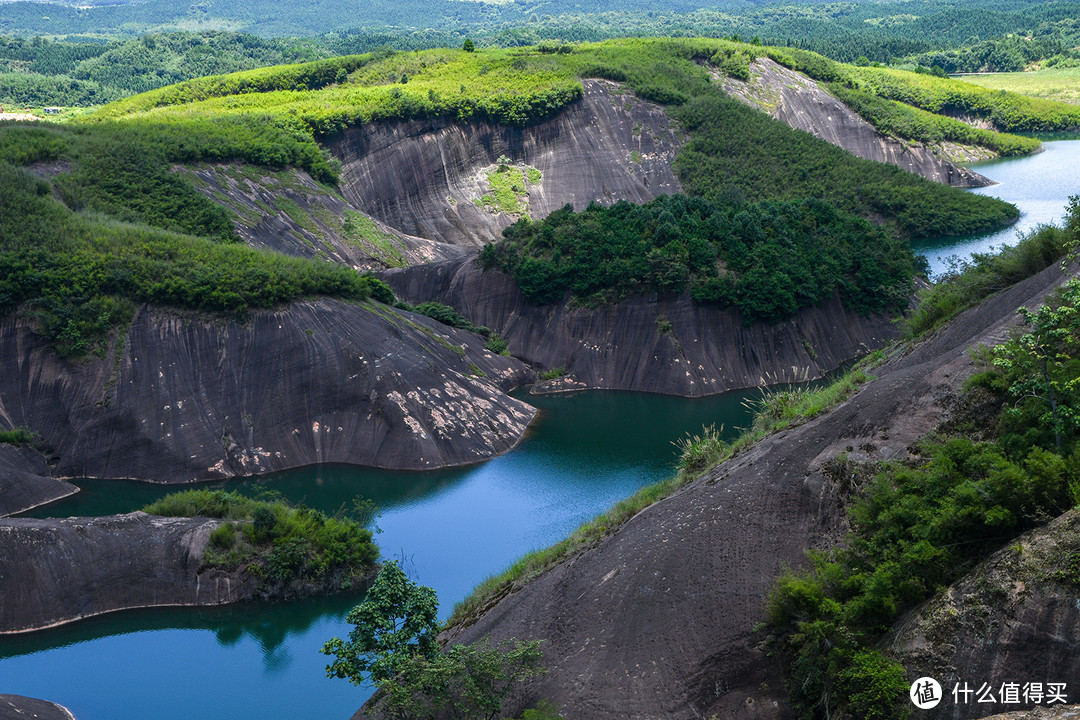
424 177
57 571
1014 618
799 101
325 381
25 481
663 611
708 350
287 211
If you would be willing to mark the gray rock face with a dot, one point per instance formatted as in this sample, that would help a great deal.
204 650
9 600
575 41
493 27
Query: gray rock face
17 707
287 211
422 176
58 571
324 381
708 350
657 620
25 481
800 102
1014 618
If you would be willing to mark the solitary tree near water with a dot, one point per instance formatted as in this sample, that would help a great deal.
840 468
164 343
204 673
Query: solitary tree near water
394 644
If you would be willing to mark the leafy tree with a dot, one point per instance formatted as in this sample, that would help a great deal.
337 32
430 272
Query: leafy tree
468 45
395 625
394 644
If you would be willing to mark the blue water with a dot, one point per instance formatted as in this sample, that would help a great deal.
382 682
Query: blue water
1039 185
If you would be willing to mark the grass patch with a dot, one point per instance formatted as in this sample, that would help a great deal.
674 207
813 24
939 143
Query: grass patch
509 188
1061 84
361 231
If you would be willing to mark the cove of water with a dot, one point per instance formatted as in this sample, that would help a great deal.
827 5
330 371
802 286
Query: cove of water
1039 185
452 527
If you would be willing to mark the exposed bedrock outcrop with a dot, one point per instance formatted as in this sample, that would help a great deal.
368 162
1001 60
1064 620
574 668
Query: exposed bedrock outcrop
58 571
18 707
26 482
287 211
322 381
423 177
658 619
707 351
803 104
1015 618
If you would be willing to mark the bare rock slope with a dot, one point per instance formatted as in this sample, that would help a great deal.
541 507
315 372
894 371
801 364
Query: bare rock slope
287 211
183 398
58 571
803 104
628 346
658 619
424 177
18 707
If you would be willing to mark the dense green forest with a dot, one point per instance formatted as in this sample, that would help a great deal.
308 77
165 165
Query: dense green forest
768 259
1009 462
113 50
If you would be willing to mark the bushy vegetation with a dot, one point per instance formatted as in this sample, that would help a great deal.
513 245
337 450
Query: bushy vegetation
394 645
279 544
919 526
449 316
756 257
79 275
970 281
18 436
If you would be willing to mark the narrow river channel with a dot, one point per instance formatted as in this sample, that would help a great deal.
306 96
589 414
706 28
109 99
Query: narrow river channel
452 528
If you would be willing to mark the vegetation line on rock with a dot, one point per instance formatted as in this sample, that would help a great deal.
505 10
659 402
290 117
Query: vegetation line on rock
774 411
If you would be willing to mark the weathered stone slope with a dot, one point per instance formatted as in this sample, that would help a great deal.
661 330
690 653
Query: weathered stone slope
58 571
25 481
423 177
17 707
800 102
324 381
1014 618
287 211
658 619
708 350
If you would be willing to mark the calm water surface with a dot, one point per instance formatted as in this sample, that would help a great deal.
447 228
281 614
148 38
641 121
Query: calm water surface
1039 185
452 528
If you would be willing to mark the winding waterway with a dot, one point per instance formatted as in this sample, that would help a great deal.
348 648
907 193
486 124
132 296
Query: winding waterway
451 527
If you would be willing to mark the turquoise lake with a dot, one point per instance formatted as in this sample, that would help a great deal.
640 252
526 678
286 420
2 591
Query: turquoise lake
451 529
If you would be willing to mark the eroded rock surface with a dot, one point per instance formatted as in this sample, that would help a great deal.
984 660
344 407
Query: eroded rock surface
658 619
18 707
802 103
324 381
708 350
26 482
287 211
1015 618
58 571
423 177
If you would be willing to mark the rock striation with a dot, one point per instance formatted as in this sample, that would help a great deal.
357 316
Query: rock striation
799 101
26 482
657 620
59 571
708 350
179 398
423 177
